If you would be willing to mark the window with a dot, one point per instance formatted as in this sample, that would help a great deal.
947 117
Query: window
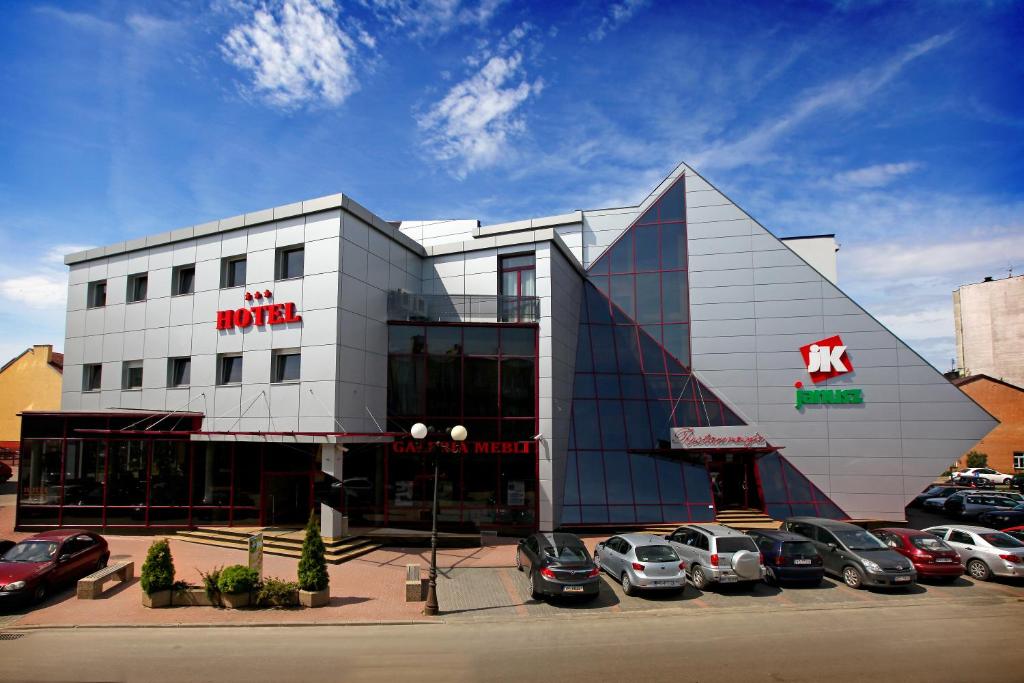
802 529
289 263
97 294
700 541
183 280
940 532
137 285
232 272
91 377
286 365
179 372
230 369
960 537
1018 461
517 287
132 375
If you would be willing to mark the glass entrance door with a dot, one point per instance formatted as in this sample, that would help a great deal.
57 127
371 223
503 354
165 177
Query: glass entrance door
733 481
286 499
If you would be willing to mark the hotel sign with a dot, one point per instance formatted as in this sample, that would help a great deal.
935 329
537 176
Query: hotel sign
717 437
259 315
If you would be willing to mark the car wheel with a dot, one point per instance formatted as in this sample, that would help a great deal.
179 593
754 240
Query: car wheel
979 570
101 563
852 577
627 585
39 594
519 560
769 577
698 578
1007 482
534 593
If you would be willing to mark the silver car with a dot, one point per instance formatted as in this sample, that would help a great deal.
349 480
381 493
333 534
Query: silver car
985 552
717 554
641 561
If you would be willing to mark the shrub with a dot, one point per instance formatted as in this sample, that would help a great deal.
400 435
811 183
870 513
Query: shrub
277 593
312 566
237 579
210 581
158 569
976 459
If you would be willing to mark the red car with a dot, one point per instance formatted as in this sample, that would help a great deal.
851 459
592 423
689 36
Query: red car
41 563
932 557
1016 531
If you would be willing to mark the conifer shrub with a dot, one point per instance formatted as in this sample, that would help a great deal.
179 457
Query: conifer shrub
158 569
313 565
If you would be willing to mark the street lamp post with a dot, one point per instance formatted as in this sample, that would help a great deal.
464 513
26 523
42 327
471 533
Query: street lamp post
458 433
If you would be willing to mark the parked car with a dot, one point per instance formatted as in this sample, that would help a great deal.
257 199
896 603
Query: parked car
1017 482
5 472
788 558
853 554
1015 531
971 504
932 558
975 481
932 492
717 554
1000 519
558 564
985 552
41 563
985 473
641 561
938 504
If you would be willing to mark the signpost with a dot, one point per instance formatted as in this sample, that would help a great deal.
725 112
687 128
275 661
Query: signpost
256 553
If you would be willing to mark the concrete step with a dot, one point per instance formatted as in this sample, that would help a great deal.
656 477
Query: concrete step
351 549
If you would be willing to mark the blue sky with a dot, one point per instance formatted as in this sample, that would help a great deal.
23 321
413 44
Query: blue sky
897 126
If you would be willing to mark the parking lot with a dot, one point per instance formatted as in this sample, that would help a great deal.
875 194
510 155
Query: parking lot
503 593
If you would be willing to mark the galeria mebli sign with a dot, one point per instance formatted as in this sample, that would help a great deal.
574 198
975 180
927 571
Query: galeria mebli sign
260 314
825 359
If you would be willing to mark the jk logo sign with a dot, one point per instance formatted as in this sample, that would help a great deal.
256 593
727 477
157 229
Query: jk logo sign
826 358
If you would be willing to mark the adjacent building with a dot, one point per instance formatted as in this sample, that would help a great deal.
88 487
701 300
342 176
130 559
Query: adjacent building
29 381
989 319
1004 445
655 363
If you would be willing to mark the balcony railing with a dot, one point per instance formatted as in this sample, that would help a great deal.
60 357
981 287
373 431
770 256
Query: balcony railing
462 308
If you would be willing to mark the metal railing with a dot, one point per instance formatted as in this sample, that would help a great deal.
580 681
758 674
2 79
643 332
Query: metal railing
464 308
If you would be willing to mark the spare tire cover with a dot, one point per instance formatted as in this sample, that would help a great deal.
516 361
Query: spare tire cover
746 564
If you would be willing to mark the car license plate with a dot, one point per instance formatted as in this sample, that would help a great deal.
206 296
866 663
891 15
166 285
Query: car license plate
728 579
572 589
902 579
801 561
943 559
663 583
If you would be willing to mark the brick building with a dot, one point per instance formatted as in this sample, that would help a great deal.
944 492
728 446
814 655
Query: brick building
1004 445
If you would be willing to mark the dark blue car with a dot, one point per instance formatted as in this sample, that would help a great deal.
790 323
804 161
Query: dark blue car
788 557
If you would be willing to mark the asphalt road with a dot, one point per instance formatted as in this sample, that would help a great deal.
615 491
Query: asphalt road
876 643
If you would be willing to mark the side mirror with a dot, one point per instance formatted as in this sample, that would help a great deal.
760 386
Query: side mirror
63 558
833 547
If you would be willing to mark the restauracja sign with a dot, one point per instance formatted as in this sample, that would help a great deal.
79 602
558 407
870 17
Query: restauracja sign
259 315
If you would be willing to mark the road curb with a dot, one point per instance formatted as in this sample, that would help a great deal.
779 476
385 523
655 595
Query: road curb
260 624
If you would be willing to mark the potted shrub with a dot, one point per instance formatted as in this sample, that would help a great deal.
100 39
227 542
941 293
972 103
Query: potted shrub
236 584
274 592
313 578
157 576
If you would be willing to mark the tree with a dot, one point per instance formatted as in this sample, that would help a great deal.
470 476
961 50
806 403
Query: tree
312 565
976 459
158 569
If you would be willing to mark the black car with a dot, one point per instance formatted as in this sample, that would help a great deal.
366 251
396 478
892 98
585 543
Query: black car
975 482
1002 519
558 564
788 557
1017 483
971 504
936 491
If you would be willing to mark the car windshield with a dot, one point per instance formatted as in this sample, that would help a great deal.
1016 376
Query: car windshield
656 553
31 551
568 553
732 544
858 539
929 543
1001 540
793 548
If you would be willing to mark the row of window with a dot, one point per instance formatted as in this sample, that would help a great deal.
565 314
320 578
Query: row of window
285 367
288 264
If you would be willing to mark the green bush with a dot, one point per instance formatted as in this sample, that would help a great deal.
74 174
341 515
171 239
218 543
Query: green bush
276 592
976 459
158 570
210 581
312 566
237 579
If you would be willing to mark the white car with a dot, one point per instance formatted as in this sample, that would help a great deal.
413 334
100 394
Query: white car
985 473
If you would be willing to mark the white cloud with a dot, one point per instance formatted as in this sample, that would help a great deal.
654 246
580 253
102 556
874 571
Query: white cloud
980 256
420 18
44 291
296 53
618 14
471 126
850 93
877 175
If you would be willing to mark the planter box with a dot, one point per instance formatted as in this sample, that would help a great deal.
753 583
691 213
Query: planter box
314 598
158 599
235 600
191 597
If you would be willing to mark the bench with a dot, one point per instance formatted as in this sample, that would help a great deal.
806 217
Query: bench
413 583
90 587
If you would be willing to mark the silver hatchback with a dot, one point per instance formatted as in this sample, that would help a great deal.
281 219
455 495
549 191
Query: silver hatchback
985 552
641 561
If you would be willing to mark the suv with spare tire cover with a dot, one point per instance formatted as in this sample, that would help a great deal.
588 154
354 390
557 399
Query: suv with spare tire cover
717 554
